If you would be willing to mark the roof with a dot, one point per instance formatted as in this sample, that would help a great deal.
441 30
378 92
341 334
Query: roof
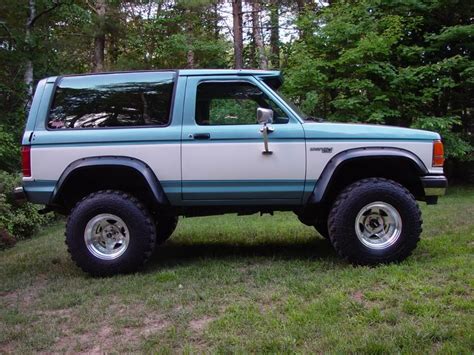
191 72
271 74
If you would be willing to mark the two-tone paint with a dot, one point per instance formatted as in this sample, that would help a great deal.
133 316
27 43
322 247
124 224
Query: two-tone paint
229 167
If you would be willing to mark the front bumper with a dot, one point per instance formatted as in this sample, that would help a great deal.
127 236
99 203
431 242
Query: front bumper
434 186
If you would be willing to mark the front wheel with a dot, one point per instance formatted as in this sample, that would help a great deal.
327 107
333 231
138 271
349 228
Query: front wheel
110 232
375 221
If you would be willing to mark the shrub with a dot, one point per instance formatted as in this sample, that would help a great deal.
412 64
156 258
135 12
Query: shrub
17 221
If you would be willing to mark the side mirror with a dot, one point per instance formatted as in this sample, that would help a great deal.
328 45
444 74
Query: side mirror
264 116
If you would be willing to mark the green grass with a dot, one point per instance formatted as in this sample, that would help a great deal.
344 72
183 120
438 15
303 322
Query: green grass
248 284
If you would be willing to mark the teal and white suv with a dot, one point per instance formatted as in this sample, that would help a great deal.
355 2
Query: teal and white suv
125 154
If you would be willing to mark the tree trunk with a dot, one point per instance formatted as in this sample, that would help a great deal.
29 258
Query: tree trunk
301 5
99 37
28 75
275 33
237 27
216 20
190 58
257 35
189 39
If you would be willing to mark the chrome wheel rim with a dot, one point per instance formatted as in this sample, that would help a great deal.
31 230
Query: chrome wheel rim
106 236
378 225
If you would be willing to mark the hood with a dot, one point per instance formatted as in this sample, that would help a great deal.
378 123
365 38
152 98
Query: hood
328 130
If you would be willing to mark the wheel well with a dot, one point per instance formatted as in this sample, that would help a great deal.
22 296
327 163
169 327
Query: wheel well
85 180
399 169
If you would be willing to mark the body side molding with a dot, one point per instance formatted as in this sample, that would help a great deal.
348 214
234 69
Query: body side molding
360 153
118 161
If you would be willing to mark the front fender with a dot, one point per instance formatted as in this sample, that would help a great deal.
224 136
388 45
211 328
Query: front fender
330 170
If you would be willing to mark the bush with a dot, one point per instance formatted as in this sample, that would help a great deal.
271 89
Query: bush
17 221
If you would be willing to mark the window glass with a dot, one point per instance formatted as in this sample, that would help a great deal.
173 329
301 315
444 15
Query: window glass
112 100
233 103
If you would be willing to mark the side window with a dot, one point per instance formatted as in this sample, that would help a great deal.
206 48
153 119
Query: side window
232 103
112 100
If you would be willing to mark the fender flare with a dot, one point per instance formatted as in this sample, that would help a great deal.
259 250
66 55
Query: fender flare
104 161
343 157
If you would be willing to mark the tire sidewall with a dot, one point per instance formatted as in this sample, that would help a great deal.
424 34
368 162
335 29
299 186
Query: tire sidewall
132 215
343 224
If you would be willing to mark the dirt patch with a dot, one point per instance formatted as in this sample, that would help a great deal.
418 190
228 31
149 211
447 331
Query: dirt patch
152 326
358 296
106 337
198 325
58 313
24 297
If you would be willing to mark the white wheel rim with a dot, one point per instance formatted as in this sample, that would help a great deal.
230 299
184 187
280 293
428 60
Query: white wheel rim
378 225
106 236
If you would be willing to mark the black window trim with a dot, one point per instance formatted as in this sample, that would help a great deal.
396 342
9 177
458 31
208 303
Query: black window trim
175 77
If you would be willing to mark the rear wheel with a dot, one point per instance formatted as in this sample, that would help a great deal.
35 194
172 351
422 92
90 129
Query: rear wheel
110 232
375 221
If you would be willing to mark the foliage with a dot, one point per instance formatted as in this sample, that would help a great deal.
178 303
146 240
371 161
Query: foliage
403 63
19 220
8 151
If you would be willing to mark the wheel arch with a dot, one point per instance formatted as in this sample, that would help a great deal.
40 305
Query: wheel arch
90 174
348 166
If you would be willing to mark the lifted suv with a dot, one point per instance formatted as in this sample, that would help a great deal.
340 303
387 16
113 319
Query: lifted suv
125 154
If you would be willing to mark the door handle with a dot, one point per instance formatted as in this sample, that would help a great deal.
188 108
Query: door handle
201 136
266 130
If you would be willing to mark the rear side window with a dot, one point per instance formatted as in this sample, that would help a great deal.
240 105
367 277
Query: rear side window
112 100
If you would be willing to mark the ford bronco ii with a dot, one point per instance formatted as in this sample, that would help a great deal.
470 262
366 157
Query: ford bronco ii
124 154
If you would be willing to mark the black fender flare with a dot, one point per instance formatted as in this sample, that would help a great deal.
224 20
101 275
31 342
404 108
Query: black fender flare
103 161
339 159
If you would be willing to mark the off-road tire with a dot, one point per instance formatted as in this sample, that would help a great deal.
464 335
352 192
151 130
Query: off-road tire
342 217
165 226
142 232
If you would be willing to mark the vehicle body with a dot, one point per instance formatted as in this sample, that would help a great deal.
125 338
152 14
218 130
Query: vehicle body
189 143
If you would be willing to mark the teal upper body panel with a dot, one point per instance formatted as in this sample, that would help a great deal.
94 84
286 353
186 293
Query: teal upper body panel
183 114
352 131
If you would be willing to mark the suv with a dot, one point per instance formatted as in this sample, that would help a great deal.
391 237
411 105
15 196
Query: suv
125 154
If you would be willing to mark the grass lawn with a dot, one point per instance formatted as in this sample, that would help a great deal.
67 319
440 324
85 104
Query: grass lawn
248 284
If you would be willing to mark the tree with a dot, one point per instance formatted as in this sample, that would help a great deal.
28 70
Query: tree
275 33
238 37
257 36
29 47
404 64
100 10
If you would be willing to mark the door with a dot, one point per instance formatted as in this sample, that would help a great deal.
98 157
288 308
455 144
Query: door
223 156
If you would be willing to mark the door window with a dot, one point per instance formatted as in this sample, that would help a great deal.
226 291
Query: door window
233 103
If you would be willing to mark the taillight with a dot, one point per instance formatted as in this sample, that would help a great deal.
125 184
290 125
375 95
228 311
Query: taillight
26 160
438 153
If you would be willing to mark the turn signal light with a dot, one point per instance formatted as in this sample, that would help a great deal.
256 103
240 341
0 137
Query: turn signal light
26 160
438 153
